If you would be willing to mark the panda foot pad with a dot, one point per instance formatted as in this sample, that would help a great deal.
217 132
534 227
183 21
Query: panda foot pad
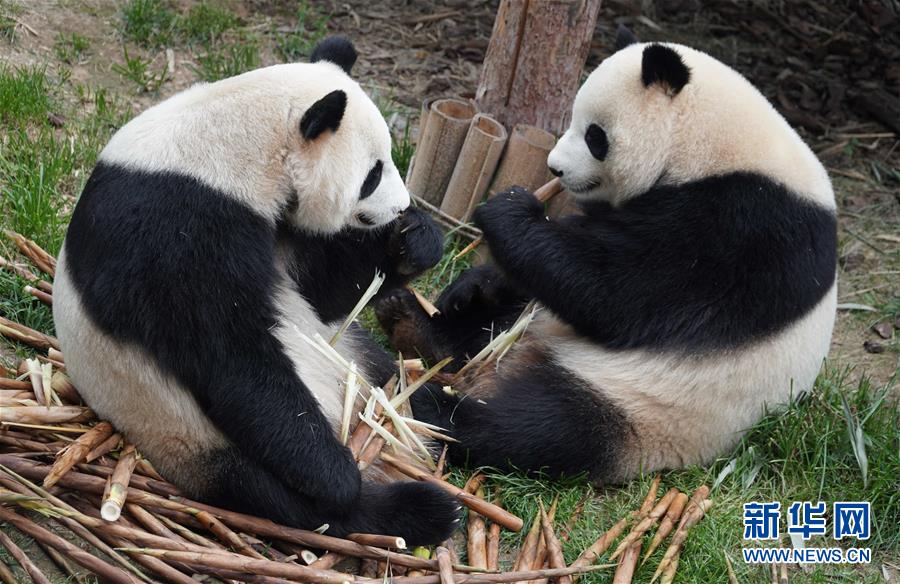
405 322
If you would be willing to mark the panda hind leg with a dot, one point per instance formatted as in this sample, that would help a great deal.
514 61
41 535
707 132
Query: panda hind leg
418 512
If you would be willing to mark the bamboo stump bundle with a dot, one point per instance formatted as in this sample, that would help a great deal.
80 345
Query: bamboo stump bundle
475 167
525 162
445 131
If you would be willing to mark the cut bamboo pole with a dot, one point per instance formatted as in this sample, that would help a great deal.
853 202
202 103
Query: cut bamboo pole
26 274
78 555
63 387
327 561
382 541
524 163
40 295
117 487
672 518
46 415
476 542
528 549
425 303
225 535
24 561
627 564
492 512
691 516
475 167
14 384
423 123
590 555
650 499
43 260
28 336
6 575
445 131
104 447
444 564
644 525
493 547
555 555
77 451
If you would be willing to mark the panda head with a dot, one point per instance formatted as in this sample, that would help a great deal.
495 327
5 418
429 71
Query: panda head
338 156
624 119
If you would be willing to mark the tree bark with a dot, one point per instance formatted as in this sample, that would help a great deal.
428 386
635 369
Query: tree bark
534 61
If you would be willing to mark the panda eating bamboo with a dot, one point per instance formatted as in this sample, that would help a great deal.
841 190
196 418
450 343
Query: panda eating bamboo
696 288
216 226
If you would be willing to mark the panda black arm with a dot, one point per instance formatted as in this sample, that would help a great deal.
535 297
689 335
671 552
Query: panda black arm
707 264
195 290
332 272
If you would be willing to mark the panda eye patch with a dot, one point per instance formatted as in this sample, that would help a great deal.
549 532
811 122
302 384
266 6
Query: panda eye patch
596 141
371 182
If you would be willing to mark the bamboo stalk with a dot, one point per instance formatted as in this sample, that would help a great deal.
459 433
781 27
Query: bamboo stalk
732 577
627 564
14 384
493 547
46 415
475 166
43 260
382 541
673 516
426 304
444 565
28 336
77 451
327 561
638 531
488 578
117 487
492 512
554 548
590 555
242 564
528 549
26 274
35 376
6 575
573 519
442 461
541 555
647 504
104 447
476 542
81 557
62 385
24 561
40 295
150 522
225 535
64 565
691 516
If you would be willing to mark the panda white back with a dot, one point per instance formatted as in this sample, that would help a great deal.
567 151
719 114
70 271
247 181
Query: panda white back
215 228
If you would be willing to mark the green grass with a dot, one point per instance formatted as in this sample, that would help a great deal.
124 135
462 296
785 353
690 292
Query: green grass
70 48
149 23
206 23
140 72
8 10
221 61
310 28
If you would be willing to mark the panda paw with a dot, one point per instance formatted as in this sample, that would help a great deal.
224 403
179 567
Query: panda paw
417 243
508 210
481 287
404 321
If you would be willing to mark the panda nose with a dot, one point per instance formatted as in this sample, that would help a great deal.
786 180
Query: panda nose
555 172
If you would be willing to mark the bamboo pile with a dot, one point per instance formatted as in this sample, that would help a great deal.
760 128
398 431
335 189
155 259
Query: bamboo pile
59 461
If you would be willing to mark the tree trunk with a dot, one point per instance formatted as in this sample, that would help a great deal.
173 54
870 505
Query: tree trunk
534 61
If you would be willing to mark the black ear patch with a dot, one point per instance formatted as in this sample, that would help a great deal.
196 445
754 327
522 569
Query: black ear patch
336 49
662 64
624 37
325 114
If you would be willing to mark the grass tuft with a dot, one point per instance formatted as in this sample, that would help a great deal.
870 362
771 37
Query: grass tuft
206 23
69 48
221 61
298 43
149 23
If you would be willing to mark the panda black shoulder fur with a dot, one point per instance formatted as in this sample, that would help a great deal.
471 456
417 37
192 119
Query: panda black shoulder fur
696 288
214 226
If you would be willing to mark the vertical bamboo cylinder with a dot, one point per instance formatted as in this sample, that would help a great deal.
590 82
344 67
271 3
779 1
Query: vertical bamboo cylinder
423 122
525 162
445 131
475 167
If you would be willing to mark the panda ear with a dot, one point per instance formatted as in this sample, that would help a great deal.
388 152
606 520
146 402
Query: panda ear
624 37
325 114
336 49
661 64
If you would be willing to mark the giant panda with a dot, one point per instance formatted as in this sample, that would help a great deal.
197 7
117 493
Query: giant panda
216 226
695 290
